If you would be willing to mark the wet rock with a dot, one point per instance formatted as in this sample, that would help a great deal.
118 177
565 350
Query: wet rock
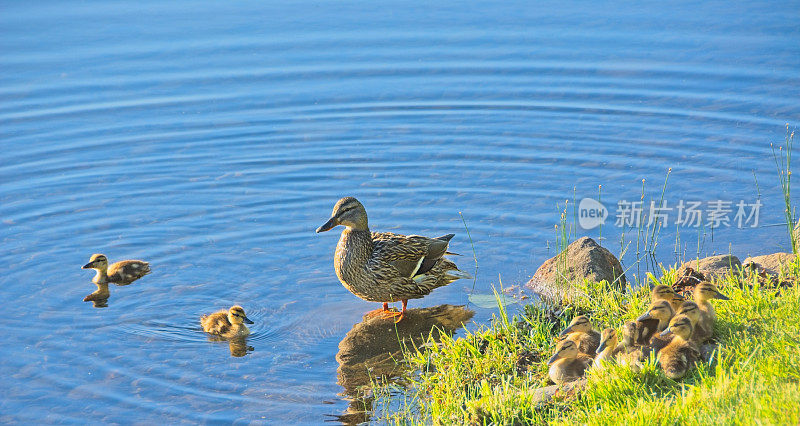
566 390
583 259
712 266
769 264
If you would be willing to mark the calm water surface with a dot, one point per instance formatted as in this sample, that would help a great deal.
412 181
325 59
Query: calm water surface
213 138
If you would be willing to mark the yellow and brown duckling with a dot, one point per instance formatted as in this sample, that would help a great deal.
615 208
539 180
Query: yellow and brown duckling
633 355
665 292
680 354
567 364
385 267
227 323
654 320
580 331
702 326
609 348
704 292
122 272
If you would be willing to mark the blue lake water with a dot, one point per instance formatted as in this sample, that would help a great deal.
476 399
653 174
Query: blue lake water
212 138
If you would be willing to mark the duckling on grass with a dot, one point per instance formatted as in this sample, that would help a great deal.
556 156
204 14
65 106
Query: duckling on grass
567 364
609 348
703 293
228 324
680 354
580 331
122 272
703 328
665 292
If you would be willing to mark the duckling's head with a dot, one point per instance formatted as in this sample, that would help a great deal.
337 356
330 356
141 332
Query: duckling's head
566 349
629 333
691 310
97 261
706 290
664 292
660 310
579 324
236 315
608 339
348 212
680 326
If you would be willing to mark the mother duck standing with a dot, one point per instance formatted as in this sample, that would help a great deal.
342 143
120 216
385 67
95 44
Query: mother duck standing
386 267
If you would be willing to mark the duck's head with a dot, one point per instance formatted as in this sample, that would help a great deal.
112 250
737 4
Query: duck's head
579 324
660 310
629 333
608 339
664 292
691 310
566 349
706 291
680 326
97 261
236 315
348 212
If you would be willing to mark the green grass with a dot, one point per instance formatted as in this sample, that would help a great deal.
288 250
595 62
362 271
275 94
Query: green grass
753 378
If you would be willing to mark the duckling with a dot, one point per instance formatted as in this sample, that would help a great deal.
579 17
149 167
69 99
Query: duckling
100 295
680 354
702 328
122 272
610 348
229 324
660 311
567 364
580 331
632 355
704 292
665 292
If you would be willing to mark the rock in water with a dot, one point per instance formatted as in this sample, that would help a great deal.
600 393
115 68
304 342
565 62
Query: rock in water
583 259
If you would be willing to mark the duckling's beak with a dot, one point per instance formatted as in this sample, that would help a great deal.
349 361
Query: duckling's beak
247 320
601 347
644 317
679 296
721 296
553 359
88 265
665 332
565 332
330 224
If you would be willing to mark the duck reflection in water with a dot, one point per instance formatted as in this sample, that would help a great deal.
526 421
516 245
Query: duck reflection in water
237 345
373 350
99 297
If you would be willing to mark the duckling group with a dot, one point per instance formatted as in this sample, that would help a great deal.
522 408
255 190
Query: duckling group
671 329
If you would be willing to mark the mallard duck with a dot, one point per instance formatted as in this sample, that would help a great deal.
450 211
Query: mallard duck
660 311
665 292
680 354
704 292
702 327
229 324
386 267
580 331
100 295
122 272
567 364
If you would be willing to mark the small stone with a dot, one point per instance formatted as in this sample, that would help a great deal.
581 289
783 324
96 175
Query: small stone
712 266
770 264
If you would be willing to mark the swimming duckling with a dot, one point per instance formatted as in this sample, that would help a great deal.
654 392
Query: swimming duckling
567 364
122 272
704 292
609 348
677 357
701 326
580 331
665 292
230 323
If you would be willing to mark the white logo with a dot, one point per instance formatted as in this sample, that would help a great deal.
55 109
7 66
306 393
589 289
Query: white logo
591 213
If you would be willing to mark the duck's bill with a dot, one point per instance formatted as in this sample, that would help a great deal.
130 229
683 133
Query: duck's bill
644 317
330 224
247 320
602 347
553 359
88 265
665 332
722 296
565 332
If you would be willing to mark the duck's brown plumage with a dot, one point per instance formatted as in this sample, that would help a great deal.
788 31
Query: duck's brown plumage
122 272
226 323
384 266
567 364
680 354
581 332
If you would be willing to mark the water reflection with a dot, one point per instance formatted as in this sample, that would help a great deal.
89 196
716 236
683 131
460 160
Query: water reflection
372 350
99 297
237 345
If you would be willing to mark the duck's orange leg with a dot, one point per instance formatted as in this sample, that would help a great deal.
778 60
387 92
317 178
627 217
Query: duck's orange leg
382 312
